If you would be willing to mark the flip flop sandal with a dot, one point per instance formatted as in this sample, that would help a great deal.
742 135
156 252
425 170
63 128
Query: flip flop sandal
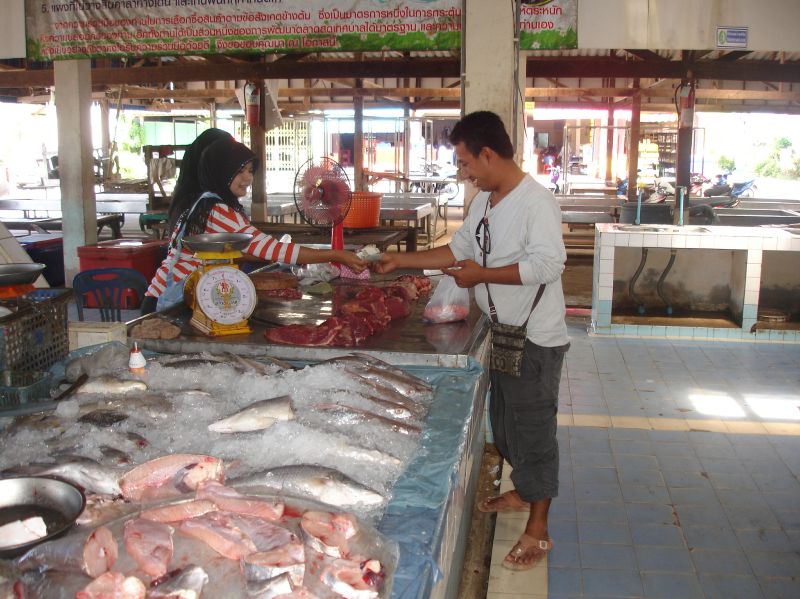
524 546
499 503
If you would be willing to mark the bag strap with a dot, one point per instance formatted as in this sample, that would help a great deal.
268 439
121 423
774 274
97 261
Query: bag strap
179 235
492 308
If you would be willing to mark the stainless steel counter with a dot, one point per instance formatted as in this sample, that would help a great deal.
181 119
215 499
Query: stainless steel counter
408 341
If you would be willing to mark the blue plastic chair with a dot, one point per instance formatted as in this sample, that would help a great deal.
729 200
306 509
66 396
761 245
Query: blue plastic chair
110 289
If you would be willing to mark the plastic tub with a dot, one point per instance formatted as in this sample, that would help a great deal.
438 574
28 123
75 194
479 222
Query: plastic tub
139 254
47 248
365 210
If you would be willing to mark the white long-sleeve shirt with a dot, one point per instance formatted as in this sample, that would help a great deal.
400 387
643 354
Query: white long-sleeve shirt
525 229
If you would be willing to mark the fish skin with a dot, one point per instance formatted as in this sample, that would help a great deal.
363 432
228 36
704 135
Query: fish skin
110 385
103 418
87 474
376 369
269 589
289 558
257 416
404 428
179 470
393 409
314 482
149 544
116 455
184 583
91 553
387 392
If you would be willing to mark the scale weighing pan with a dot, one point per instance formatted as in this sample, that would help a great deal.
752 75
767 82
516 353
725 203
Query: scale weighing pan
218 242
20 274
56 501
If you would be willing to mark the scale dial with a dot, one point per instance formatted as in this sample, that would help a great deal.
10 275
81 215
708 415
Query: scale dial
226 295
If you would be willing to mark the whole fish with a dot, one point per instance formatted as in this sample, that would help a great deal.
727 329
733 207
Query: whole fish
313 482
178 472
257 416
103 418
153 405
392 409
85 473
91 553
115 455
375 369
111 385
359 415
387 393
136 438
184 583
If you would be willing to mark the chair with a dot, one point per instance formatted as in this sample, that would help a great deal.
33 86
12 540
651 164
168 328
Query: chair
109 289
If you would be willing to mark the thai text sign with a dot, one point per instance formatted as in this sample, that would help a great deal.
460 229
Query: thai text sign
58 29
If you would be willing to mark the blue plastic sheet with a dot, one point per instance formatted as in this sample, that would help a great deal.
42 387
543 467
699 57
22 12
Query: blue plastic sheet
416 514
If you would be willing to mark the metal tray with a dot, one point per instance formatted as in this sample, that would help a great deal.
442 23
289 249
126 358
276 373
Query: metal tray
20 274
217 242
58 502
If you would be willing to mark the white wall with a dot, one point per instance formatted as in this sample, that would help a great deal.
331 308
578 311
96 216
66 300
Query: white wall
12 29
687 24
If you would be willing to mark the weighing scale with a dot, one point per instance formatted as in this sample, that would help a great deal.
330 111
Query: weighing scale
221 296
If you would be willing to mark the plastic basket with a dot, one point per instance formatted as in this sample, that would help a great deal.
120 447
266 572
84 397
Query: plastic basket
34 336
18 388
365 210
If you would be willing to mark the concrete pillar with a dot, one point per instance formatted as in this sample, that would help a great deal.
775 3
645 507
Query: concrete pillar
491 77
73 84
493 70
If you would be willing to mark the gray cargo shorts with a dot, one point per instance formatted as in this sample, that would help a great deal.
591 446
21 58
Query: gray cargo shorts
523 416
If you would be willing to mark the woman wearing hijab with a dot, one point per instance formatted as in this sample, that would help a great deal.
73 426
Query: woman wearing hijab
225 172
187 187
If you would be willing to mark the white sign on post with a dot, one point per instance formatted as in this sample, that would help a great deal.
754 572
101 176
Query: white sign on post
731 37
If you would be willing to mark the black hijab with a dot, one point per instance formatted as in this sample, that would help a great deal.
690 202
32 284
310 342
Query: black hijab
187 187
220 162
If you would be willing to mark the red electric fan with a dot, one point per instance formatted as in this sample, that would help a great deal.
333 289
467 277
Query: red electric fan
322 196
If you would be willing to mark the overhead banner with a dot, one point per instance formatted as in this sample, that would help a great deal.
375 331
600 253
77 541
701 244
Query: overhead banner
61 29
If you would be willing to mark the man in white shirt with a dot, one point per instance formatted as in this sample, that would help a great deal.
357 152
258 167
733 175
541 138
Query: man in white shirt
509 246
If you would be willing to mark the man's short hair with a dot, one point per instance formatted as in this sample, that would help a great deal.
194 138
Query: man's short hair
482 129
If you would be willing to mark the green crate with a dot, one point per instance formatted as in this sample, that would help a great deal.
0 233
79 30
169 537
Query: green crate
18 388
34 336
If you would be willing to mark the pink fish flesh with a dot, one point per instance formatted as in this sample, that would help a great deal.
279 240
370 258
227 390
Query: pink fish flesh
93 553
180 472
230 500
150 545
179 512
354 579
113 585
328 532
286 559
220 534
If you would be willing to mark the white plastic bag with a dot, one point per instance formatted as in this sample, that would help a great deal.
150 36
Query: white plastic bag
449 302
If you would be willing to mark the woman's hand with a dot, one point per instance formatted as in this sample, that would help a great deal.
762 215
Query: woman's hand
350 260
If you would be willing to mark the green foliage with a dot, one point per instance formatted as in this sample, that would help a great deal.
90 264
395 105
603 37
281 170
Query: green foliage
726 164
771 166
136 137
782 143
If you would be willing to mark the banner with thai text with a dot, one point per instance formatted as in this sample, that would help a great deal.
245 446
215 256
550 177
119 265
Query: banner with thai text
60 29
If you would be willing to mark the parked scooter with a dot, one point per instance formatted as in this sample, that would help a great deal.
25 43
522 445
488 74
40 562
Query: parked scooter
725 185
438 179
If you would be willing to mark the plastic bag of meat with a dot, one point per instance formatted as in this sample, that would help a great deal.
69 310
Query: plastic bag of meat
449 303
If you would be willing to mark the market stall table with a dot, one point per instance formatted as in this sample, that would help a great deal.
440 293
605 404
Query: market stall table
434 495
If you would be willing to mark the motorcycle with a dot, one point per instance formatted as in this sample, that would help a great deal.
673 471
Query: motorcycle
725 185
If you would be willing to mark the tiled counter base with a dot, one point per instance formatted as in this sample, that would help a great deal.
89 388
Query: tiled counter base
720 279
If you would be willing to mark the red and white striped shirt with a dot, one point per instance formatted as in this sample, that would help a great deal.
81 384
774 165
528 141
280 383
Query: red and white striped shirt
223 219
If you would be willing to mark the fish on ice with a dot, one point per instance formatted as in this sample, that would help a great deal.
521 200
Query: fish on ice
257 416
314 482
230 500
110 385
149 544
184 583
